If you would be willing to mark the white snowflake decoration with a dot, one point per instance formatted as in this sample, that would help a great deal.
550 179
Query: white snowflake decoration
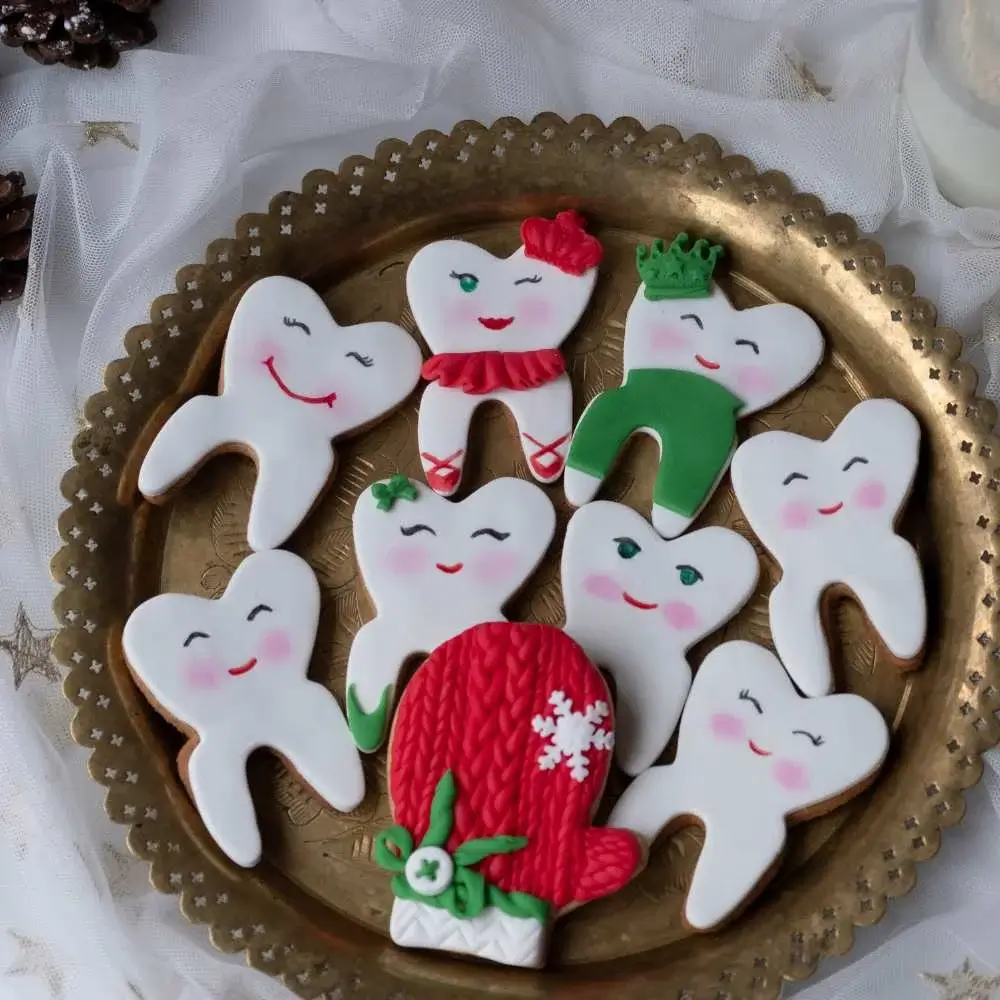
572 734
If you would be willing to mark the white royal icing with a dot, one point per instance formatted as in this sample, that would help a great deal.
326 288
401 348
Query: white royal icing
751 754
635 616
542 314
233 672
826 510
429 583
292 382
572 735
709 337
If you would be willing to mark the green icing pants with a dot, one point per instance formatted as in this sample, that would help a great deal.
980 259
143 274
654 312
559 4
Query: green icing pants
694 417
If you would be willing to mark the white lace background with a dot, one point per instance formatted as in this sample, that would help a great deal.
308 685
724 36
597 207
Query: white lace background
236 101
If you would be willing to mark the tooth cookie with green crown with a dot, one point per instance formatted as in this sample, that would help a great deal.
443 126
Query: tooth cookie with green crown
292 382
826 510
231 674
495 326
637 604
752 757
433 568
693 365
500 749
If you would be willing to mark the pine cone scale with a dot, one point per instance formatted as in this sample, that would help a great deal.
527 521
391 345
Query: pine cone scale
16 214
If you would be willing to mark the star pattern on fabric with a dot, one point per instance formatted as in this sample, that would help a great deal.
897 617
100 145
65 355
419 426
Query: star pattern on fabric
34 960
29 649
964 983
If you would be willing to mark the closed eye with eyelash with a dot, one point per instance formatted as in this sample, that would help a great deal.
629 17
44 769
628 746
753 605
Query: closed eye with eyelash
748 343
817 741
500 536
745 695
855 461
288 321
533 280
696 318
413 529
792 476
258 610
195 635
362 359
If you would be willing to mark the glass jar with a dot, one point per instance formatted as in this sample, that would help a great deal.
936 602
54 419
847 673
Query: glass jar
952 86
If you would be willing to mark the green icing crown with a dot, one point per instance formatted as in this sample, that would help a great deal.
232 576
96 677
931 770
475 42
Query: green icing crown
674 272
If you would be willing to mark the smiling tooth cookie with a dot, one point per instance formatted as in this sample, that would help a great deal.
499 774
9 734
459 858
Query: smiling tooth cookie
292 382
495 326
693 365
499 753
637 604
231 674
826 510
752 756
433 568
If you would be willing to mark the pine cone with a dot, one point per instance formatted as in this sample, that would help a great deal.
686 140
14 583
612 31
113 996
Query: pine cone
79 33
16 213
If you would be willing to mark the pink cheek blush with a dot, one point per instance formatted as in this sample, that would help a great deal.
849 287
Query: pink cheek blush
680 615
791 775
754 381
666 338
602 586
870 495
535 311
407 560
462 313
727 727
494 567
204 674
276 646
796 514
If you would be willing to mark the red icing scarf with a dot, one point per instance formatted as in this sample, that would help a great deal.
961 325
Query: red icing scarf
486 371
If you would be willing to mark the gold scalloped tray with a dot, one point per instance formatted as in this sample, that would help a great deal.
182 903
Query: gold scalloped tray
315 911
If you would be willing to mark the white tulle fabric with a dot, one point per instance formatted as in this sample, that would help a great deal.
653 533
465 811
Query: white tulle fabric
236 101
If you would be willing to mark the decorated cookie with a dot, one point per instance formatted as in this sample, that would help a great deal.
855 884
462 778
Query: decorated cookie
495 326
498 756
693 365
752 756
292 382
826 510
637 604
231 673
434 568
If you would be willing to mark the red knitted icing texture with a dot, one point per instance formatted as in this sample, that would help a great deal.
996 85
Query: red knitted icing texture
469 708
562 242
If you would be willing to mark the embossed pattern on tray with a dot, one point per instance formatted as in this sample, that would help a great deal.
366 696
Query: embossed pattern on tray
315 913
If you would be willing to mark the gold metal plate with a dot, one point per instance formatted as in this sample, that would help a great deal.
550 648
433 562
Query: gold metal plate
316 911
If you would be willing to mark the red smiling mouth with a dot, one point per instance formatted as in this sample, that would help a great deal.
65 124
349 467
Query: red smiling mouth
328 399
705 363
453 568
245 669
826 511
757 750
496 322
641 605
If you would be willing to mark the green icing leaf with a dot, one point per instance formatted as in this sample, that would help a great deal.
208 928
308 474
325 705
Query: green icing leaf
397 488
395 836
442 813
367 728
518 904
473 851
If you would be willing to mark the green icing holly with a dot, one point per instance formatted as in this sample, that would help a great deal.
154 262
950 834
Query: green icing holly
396 488
368 728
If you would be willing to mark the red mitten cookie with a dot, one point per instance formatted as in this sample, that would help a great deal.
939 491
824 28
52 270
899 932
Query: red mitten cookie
499 753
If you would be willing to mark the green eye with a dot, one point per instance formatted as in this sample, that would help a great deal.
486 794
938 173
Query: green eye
467 282
628 547
689 575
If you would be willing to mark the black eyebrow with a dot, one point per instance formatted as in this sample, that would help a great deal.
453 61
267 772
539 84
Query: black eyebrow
498 535
748 343
853 461
697 319
257 610
288 321
791 476
196 635
414 528
817 741
531 281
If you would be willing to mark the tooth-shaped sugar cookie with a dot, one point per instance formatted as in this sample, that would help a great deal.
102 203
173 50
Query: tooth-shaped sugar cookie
434 568
293 381
826 510
637 604
752 756
231 673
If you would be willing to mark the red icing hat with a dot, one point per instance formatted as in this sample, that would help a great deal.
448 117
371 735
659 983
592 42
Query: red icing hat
486 707
562 242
